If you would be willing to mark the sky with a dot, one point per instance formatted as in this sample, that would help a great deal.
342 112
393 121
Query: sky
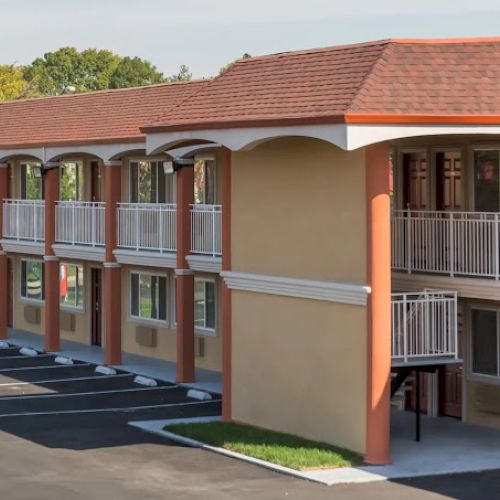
207 34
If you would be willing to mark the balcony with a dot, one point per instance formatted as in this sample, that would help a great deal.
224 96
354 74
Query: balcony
80 223
206 230
424 328
464 244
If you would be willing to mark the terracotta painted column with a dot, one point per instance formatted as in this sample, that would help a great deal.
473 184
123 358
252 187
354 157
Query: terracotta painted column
185 277
4 266
378 208
112 269
52 280
225 291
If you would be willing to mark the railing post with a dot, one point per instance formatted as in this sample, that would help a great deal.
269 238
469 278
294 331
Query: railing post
161 221
405 329
496 250
17 221
137 246
35 223
455 322
73 221
409 241
451 247
93 225
213 231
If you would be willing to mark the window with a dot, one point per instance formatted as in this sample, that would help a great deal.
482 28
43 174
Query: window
204 304
148 182
31 181
72 181
204 181
485 342
71 287
486 181
32 279
148 296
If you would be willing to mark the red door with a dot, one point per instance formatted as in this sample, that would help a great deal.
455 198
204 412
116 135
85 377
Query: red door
96 307
415 192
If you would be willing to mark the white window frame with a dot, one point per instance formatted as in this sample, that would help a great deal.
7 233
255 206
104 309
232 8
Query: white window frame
69 307
212 332
472 375
29 300
139 319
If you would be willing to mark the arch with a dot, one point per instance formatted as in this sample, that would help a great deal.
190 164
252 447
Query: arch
9 155
105 152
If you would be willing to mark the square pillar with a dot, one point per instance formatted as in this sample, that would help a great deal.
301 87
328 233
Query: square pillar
226 326
112 269
185 277
51 277
378 217
4 267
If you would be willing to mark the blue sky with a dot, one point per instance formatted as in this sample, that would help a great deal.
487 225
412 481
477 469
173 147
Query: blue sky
207 34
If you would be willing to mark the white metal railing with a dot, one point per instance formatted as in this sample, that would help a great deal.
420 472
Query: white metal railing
80 222
24 220
206 230
147 226
424 325
450 243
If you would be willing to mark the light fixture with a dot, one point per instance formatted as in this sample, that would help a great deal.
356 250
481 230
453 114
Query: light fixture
37 172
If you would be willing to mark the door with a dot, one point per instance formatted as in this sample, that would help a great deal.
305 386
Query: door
449 181
415 181
96 181
96 307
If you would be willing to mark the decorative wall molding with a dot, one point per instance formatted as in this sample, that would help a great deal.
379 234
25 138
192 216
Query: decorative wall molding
329 291
26 247
79 252
204 263
474 288
149 259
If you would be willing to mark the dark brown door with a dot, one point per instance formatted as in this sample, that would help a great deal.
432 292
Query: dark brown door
96 307
415 192
449 181
10 274
96 184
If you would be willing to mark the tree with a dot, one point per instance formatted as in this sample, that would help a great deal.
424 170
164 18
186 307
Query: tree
183 75
227 66
12 84
134 72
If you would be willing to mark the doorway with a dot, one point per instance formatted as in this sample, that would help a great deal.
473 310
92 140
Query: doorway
96 181
96 302
415 175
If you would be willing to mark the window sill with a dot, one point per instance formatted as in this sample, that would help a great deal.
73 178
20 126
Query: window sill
205 332
483 379
33 302
158 323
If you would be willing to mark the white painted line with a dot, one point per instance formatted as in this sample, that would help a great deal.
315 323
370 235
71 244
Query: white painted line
70 379
41 367
93 393
128 409
28 351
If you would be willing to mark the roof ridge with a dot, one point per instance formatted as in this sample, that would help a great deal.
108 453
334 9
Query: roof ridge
416 41
104 91
377 62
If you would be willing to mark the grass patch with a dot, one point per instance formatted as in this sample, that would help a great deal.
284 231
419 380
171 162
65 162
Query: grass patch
282 449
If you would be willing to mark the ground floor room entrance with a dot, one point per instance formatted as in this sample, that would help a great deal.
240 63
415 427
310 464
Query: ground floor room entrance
96 306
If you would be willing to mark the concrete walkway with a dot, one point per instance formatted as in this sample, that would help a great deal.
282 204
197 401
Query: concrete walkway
163 370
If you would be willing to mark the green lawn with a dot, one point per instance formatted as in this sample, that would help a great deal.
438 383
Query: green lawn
283 449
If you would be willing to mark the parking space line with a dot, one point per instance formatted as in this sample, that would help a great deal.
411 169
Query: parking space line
71 379
129 409
42 367
90 393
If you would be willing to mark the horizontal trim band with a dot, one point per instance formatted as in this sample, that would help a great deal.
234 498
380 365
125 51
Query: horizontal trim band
330 291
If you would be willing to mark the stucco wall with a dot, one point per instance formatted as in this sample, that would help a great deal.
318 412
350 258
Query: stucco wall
474 413
299 365
298 209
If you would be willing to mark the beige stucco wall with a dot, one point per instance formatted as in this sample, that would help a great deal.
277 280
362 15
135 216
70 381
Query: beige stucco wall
166 336
299 366
474 414
298 209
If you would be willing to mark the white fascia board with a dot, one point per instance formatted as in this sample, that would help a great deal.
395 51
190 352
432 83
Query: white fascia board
238 139
38 153
105 152
360 135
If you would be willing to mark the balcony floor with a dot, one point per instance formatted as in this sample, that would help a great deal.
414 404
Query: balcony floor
425 362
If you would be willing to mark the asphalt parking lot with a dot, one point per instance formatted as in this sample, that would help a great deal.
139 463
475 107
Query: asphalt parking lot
64 434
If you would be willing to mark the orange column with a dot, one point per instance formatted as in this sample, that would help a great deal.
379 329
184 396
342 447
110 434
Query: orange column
51 286
112 269
225 291
378 208
185 277
4 268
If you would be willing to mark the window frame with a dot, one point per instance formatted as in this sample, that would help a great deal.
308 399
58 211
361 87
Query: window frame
203 330
23 166
472 375
80 164
23 298
69 307
139 319
204 158
169 187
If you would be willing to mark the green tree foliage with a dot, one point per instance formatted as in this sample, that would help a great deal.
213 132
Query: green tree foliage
227 66
133 72
183 75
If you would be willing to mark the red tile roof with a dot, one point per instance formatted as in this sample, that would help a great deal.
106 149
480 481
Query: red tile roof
94 117
388 80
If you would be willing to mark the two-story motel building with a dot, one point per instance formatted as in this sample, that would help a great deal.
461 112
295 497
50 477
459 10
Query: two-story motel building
266 254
